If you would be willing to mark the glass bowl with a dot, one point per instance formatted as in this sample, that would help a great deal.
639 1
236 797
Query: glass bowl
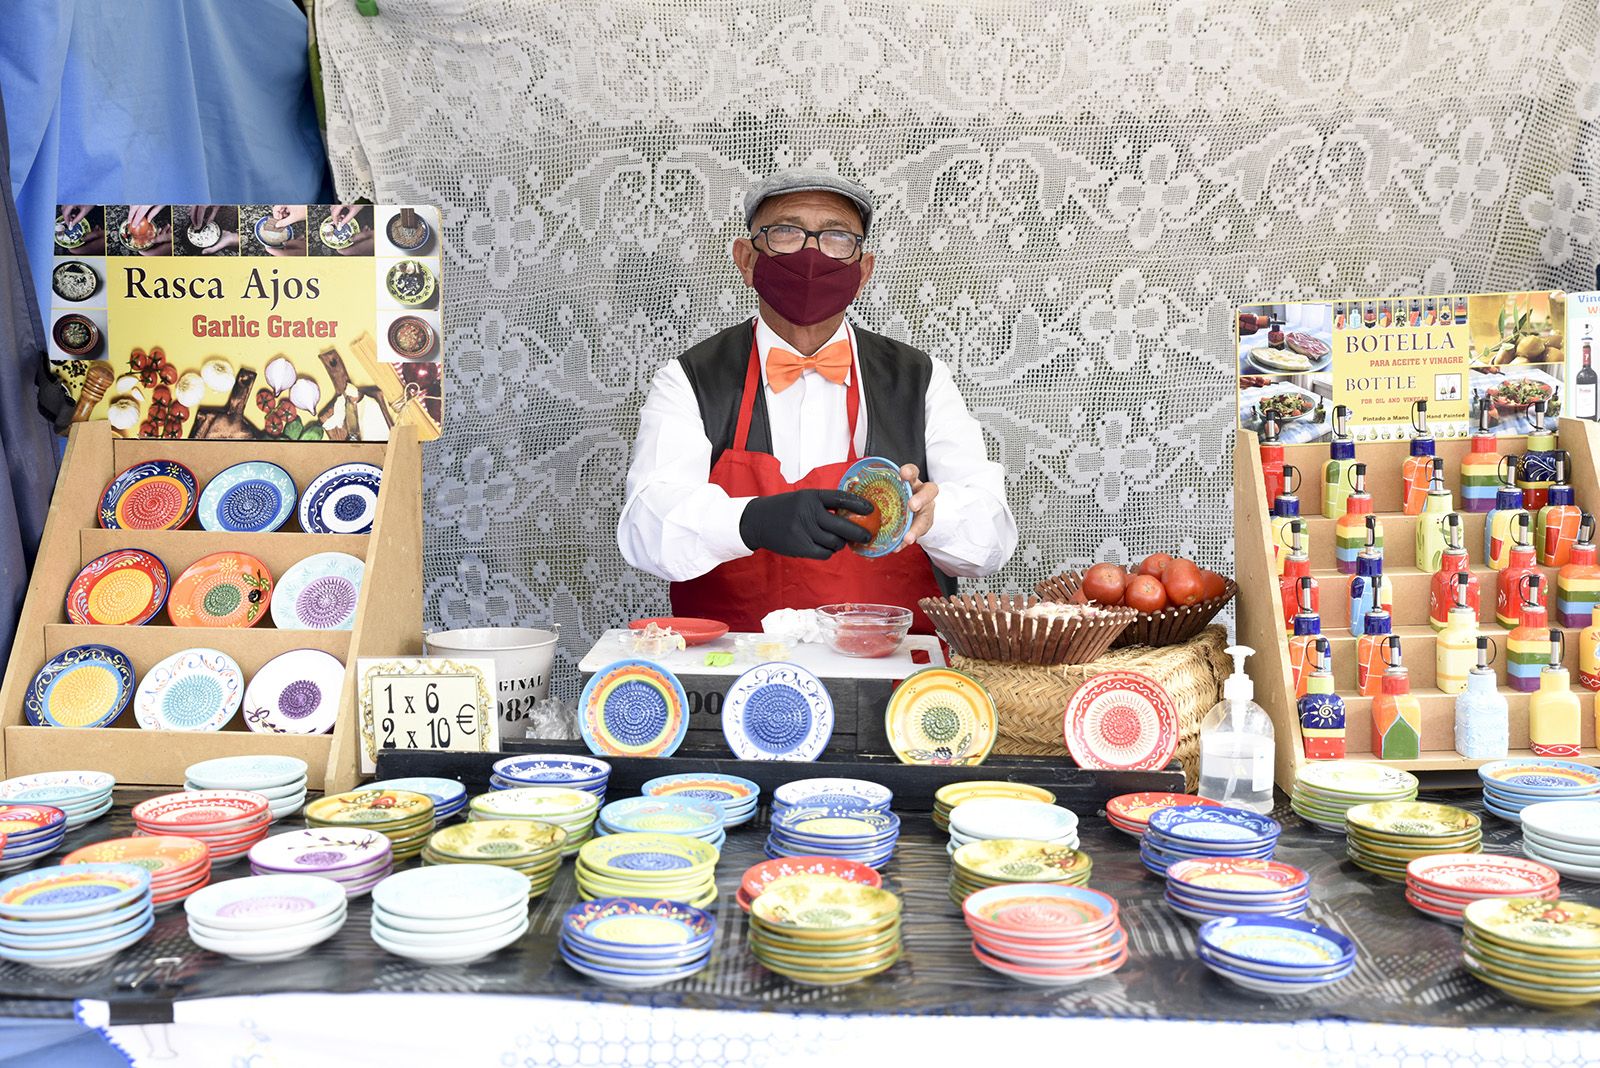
864 630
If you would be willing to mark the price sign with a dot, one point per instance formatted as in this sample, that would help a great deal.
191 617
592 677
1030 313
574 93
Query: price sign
426 703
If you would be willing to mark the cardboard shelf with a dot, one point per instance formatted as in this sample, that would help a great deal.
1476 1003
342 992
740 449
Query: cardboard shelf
388 616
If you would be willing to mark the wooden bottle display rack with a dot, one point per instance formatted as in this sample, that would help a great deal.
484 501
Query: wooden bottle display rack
388 616
1260 609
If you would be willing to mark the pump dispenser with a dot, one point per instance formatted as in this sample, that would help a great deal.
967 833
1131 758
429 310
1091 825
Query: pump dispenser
1578 583
1336 470
1555 720
1508 603
1483 730
1480 467
1528 644
1430 528
1307 630
1271 460
1417 469
1556 528
1452 562
1537 471
1369 588
1296 567
1497 524
1396 714
1236 747
1285 509
1454 647
1322 710
1370 648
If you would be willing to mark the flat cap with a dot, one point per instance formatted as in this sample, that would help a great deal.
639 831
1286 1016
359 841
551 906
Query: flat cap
804 180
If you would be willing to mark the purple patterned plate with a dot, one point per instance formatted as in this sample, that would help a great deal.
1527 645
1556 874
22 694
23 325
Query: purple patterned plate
295 693
336 853
319 593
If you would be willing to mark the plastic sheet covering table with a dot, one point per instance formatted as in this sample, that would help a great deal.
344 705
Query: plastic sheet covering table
1409 970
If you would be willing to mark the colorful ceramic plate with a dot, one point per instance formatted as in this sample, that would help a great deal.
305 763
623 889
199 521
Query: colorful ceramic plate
295 693
226 589
728 791
253 772
1225 826
85 686
1277 941
1555 778
1562 928
558 803
940 716
1019 860
759 876
554 769
58 789
123 587
777 711
195 690
1121 721
321 592
252 497
821 903
265 902
629 925
1039 911
496 840
833 793
322 851
341 500
163 856
200 809
1138 808
158 495
1407 820
56 893
663 815
1239 877
1364 779
371 808
633 708
631 857
694 631
957 792
879 482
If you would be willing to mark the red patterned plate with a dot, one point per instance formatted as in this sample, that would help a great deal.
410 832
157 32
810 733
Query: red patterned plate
1134 810
758 876
155 495
123 587
694 631
1475 875
1121 721
210 810
1239 879
22 820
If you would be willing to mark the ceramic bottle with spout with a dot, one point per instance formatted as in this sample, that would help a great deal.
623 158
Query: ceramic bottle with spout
1336 469
1286 509
1555 529
1508 584
1497 524
1452 562
1578 582
1417 469
1296 566
1350 532
1537 471
1396 714
1528 644
1483 729
1307 629
1589 653
1369 587
1480 467
1271 460
1370 647
1555 719
1322 710
1453 649
1430 523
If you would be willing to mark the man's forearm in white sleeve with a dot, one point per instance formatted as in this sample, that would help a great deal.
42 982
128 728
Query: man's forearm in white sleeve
675 524
974 532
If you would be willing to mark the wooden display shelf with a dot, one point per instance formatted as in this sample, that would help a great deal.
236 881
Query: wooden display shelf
1260 608
388 615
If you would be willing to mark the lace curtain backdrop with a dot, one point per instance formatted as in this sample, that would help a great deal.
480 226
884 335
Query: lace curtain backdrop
1073 198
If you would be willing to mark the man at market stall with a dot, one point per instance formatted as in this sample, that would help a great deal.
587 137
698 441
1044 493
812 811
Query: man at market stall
733 491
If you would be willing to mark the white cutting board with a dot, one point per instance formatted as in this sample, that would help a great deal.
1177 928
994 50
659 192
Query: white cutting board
815 657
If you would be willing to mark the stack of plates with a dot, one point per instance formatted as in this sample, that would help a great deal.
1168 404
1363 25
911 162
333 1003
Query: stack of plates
1442 886
449 796
1509 786
736 797
1384 837
1565 835
1191 832
82 795
356 859
279 779
1046 935
403 816
1539 952
552 769
1002 861
1130 813
29 833
1325 789
863 835
758 877
986 818
229 822
178 866
572 810
666 867
948 797
635 944
450 914
832 793
1206 889
687 816
266 917
70 918
532 847
820 931
1273 955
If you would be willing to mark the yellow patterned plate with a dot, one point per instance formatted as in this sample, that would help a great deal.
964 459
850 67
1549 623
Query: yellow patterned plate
1530 959
499 839
1408 853
806 977
940 716
613 888
1404 820
1019 860
636 857
536 802
370 808
826 906
1539 976
1558 928
850 960
948 797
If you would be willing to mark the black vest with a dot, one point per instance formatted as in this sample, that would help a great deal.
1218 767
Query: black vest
894 389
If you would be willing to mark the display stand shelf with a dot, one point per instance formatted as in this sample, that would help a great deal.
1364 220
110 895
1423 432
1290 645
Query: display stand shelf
388 616
1260 612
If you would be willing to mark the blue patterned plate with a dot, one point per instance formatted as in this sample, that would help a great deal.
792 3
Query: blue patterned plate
1277 942
157 495
341 500
642 857
777 711
843 826
85 686
552 769
1542 778
195 690
733 793
295 693
321 592
633 708
637 927
663 815
834 793
1214 825
247 498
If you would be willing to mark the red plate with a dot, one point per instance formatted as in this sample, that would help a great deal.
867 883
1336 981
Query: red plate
123 587
1475 875
215 811
1134 810
1121 721
694 631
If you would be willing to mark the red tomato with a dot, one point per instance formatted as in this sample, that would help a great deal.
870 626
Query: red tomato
1212 585
1182 581
1156 564
1104 583
1145 593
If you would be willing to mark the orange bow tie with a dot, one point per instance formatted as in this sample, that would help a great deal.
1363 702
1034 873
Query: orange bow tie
784 368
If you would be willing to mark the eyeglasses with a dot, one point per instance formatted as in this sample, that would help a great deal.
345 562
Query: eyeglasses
783 239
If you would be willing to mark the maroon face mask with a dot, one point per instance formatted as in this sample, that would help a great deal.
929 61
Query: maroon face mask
807 287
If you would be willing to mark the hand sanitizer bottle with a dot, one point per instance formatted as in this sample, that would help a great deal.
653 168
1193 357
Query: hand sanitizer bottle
1236 744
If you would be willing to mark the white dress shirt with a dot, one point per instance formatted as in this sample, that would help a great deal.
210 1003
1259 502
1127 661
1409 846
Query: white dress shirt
675 524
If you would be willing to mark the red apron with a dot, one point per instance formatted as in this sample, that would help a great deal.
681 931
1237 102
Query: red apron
740 592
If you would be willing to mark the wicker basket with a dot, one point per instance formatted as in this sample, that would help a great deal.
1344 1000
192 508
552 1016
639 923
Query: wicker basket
1170 626
1032 700
994 626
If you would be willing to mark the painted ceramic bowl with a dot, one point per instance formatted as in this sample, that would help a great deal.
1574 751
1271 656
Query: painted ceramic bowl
410 282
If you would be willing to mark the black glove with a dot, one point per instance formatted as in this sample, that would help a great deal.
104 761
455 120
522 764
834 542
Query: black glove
799 523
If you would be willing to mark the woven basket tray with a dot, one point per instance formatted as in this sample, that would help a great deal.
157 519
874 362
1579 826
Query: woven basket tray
1032 700
993 626
1170 626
